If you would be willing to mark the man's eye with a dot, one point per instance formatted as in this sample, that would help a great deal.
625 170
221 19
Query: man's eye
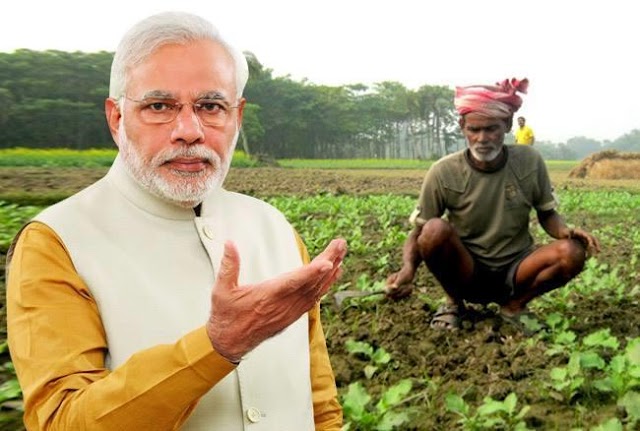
158 106
210 107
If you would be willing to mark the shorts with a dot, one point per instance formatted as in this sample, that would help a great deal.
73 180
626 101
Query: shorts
494 284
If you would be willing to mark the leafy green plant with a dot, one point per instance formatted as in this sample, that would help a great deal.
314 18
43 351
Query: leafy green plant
365 283
10 389
375 356
362 414
57 157
12 217
88 158
630 402
595 277
623 371
622 379
491 415
612 424
558 334
532 325
576 377
598 276
566 382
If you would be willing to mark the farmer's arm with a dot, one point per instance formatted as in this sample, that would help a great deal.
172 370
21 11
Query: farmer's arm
554 224
58 347
431 204
410 256
398 284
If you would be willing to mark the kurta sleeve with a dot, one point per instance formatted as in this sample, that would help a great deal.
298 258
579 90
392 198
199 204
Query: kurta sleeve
326 407
58 346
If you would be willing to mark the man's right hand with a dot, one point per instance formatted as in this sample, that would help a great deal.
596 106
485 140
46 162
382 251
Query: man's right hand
242 317
399 285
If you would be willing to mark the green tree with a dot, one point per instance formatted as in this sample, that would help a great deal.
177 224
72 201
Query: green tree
6 102
583 146
252 130
627 142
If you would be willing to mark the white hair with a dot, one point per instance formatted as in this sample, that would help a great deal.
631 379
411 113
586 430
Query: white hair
145 37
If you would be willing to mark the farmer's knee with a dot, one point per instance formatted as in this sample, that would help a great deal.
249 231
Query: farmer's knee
571 255
435 232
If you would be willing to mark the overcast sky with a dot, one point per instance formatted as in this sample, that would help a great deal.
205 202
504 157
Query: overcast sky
580 56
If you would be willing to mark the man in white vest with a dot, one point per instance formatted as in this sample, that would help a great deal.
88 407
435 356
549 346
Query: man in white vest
155 299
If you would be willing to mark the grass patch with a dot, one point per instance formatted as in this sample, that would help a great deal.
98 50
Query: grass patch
355 163
91 158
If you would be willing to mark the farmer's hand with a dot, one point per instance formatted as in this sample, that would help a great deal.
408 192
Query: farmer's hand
242 317
399 285
590 242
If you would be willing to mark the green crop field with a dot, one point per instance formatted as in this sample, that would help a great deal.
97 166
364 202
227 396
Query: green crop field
392 370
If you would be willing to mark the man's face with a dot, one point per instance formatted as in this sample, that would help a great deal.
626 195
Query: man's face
521 122
484 135
180 160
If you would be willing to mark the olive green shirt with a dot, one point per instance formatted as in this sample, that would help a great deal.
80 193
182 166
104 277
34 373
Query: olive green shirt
490 211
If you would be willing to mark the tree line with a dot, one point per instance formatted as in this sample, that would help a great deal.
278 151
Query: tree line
53 99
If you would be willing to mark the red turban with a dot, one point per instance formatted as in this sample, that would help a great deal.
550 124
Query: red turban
498 100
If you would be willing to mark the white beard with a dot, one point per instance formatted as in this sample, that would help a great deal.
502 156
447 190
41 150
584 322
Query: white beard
186 189
485 157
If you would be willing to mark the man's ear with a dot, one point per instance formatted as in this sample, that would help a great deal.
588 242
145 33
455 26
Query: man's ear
461 122
241 106
113 114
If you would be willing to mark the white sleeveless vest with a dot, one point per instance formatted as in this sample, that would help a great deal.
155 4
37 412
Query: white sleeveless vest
151 267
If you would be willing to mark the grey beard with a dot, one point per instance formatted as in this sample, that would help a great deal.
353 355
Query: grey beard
485 157
185 189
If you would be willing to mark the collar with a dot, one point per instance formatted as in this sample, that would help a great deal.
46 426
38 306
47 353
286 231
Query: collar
142 198
501 164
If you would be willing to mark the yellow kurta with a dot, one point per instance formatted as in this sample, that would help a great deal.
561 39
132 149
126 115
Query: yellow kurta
59 347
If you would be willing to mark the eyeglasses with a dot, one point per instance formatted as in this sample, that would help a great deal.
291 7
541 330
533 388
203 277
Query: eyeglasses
210 112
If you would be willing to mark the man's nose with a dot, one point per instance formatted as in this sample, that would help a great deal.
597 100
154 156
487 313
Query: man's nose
187 126
482 136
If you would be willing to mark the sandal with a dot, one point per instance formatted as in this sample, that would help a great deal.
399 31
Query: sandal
447 317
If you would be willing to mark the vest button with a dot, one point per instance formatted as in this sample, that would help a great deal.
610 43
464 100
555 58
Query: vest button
208 232
253 414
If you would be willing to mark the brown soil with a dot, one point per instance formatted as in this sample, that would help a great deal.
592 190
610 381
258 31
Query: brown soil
485 358
20 183
258 181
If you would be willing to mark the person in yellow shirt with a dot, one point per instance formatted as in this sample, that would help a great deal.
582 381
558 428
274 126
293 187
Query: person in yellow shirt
524 134
154 299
